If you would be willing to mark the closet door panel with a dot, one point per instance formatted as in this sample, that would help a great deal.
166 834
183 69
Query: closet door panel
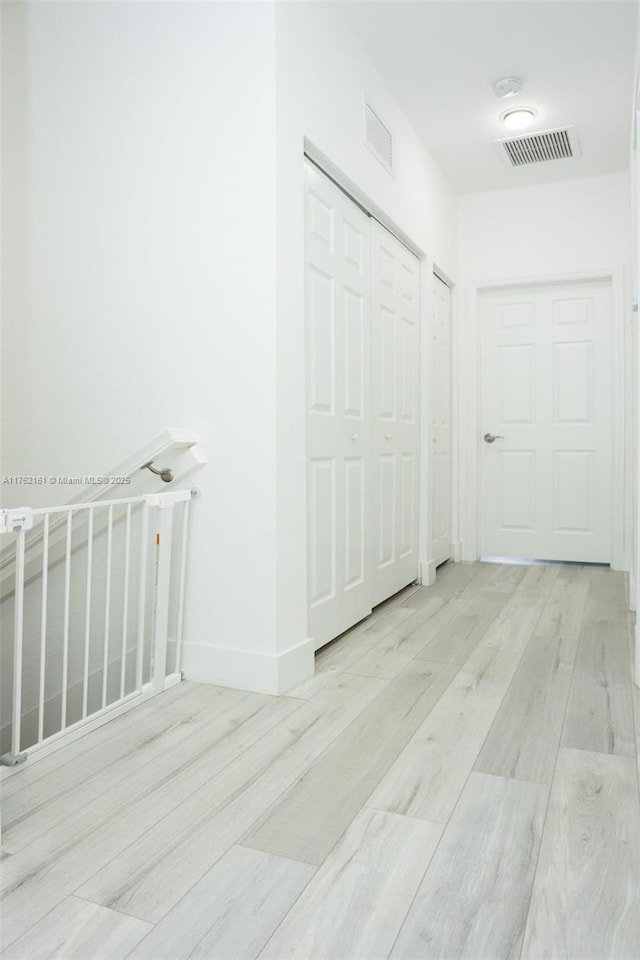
338 311
395 434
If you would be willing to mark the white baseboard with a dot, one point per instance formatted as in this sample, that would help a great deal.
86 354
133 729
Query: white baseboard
249 669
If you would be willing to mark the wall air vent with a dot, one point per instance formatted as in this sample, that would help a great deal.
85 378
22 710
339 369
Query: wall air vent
538 147
378 138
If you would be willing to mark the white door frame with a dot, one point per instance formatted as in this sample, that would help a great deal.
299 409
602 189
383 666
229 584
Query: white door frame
468 402
455 414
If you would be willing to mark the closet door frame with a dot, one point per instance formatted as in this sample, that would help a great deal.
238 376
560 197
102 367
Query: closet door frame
441 397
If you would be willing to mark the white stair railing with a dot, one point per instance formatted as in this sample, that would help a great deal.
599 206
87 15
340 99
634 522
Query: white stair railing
99 627
177 449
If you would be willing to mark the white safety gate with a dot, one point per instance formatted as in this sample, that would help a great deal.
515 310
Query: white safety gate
91 609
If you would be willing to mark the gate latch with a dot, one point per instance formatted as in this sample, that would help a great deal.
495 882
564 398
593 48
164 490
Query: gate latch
11 521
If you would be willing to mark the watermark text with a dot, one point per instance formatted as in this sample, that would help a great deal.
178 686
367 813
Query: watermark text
62 480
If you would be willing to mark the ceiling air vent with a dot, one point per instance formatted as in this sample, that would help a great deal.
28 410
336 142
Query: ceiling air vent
378 138
538 147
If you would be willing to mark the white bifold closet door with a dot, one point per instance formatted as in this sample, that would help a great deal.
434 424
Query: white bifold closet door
362 422
396 398
338 408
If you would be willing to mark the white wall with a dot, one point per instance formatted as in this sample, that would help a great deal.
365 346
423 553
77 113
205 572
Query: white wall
560 229
2 147
634 586
322 79
557 228
633 283
139 233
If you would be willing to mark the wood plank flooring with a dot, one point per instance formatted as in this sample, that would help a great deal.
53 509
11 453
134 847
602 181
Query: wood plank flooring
474 898
458 779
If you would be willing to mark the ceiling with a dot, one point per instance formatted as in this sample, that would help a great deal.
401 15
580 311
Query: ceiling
440 59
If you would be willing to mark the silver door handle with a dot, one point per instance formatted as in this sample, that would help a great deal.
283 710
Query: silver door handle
492 437
355 437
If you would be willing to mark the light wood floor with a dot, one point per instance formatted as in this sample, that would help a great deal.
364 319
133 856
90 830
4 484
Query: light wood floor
458 779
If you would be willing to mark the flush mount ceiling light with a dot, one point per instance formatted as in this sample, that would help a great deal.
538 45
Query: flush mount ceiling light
507 87
519 118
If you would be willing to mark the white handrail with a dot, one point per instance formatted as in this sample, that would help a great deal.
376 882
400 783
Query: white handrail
176 448
62 679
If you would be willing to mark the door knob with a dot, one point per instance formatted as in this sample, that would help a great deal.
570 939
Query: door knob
387 436
492 437
355 437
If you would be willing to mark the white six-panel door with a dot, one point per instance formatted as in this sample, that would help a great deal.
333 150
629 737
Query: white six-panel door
396 397
362 319
546 395
338 408
440 406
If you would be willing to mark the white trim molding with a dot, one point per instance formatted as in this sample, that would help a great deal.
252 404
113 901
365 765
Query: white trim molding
426 563
428 573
